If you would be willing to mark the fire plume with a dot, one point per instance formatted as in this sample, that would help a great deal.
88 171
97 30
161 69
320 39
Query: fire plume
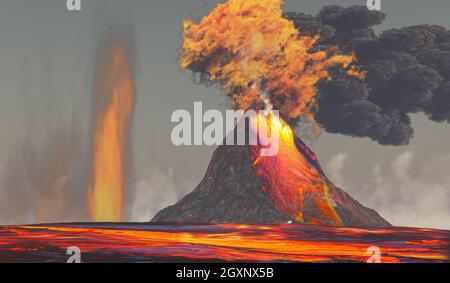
296 187
114 96
249 48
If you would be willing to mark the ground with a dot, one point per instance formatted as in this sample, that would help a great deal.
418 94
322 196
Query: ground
128 242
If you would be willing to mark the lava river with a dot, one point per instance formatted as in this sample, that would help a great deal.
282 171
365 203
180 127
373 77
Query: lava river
220 242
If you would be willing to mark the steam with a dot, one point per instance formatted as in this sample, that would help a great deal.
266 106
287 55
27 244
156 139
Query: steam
48 179
408 71
148 197
335 166
406 192
45 183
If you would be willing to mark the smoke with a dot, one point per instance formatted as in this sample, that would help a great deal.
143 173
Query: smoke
44 172
335 166
47 175
404 191
149 198
408 71
45 183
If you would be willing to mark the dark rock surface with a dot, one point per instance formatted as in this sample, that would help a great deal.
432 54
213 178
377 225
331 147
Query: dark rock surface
231 192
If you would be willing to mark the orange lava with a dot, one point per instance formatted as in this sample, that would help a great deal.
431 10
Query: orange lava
224 242
295 186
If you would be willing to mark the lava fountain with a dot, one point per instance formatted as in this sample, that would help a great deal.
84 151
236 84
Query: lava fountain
114 93
248 48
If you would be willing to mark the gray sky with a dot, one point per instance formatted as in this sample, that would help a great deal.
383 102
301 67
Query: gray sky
47 56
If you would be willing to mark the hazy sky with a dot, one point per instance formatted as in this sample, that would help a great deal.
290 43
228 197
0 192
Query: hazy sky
48 57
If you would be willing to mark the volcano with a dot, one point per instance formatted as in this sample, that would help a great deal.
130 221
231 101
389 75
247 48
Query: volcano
241 186
260 60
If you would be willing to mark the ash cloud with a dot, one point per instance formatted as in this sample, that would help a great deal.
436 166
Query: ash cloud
408 71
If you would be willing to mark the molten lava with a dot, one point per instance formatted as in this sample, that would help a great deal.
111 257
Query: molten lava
115 94
220 242
249 48
295 186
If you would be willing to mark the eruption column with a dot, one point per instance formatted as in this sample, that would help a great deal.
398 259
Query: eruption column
248 48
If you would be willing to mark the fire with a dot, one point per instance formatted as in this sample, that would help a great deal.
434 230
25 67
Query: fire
115 94
249 48
295 186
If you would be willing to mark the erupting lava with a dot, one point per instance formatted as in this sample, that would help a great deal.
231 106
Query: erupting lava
114 95
249 48
293 184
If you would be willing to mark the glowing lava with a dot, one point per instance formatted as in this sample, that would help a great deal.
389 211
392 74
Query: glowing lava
220 242
114 94
295 186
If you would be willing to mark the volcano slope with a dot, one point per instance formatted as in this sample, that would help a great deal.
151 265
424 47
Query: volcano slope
290 187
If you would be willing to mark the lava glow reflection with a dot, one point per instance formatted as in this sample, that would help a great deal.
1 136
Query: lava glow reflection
220 242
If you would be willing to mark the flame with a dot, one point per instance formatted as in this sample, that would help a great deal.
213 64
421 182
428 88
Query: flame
110 140
249 48
295 186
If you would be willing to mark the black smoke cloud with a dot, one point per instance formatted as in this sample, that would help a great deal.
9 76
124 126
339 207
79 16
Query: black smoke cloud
408 71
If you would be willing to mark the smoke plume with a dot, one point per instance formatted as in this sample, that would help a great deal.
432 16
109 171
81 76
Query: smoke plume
407 69
46 183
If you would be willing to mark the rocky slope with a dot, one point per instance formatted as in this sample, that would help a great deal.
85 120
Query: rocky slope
231 191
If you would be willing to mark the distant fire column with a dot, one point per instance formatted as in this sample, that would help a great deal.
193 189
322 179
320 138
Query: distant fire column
114 94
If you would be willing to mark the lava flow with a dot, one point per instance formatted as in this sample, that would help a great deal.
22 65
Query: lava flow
220 242
114 96
296 187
